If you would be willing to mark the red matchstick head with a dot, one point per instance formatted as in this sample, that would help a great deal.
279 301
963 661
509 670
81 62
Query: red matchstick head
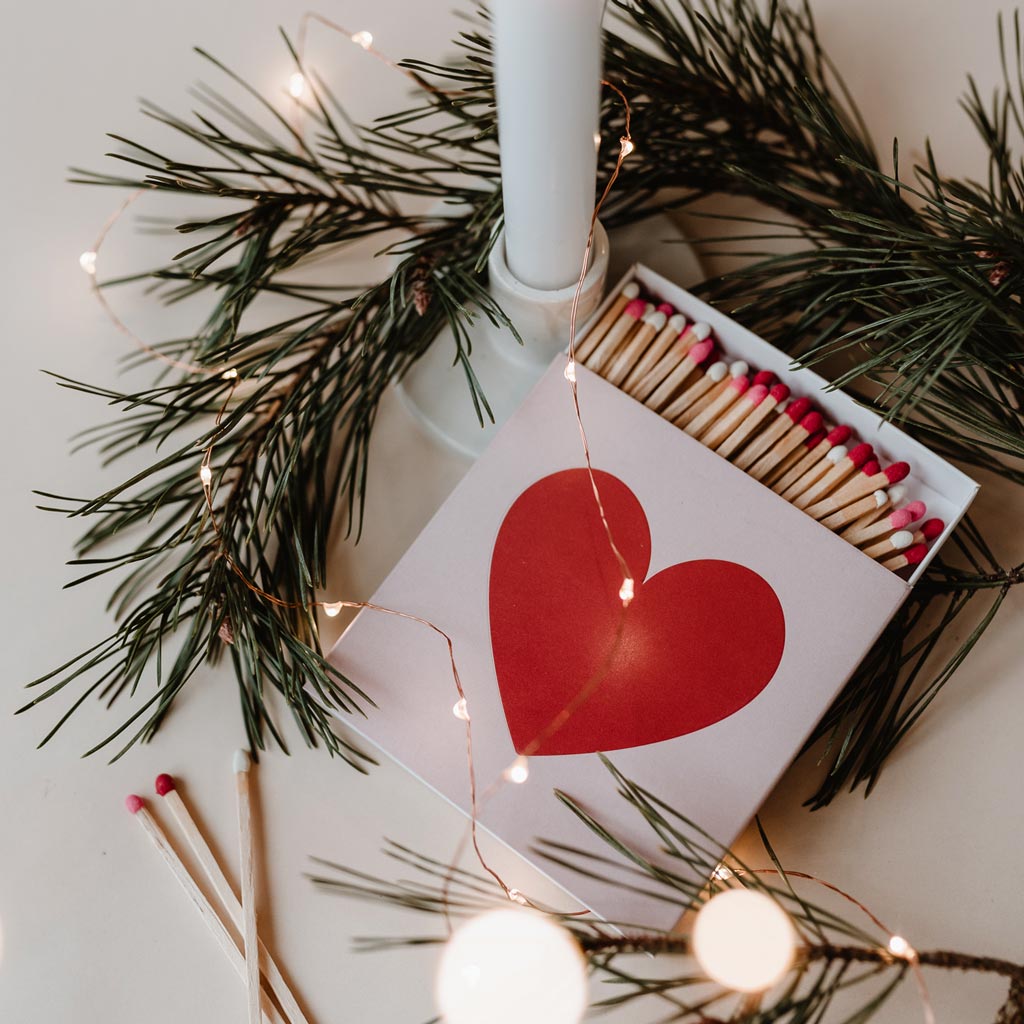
701 351
799 408
757 394
815 439
765 377
896 472
636 309
839 435
915 554
134 803
811 422
916 510
665 308
871 467
900 518
739 384
932 528
860 454
164 784
779 392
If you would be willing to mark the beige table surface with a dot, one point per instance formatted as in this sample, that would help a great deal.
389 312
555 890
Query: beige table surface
92 928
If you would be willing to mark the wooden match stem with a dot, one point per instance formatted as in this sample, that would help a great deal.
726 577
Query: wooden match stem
247 876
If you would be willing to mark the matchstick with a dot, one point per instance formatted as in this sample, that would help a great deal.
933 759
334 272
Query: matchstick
617 334
593 336
672 374
930 530
814 456
796 455
802 495
749 404
247 875
897 541
912 556
777 394
899 519
731 394
842 518
633 355
737 369
137 807
788 427
715 374
622 361
857 488
166 788
687 338
897 493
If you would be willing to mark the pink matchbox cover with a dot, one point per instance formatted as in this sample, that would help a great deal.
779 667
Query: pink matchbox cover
748 618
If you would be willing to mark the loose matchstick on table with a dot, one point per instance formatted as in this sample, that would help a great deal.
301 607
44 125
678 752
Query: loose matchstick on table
137 808
166 788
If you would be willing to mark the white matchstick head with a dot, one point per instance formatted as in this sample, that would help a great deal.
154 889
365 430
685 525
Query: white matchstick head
881 498
901 539
701 330
717 371
897 493
740 368
241 761
657 319
631 290
677 322
837 454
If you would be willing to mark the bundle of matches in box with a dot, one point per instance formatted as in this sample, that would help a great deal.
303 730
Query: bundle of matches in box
751 419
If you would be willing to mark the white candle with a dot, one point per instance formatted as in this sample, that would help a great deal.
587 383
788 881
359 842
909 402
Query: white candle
548 83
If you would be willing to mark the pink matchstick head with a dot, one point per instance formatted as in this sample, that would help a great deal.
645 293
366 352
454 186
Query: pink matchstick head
916 509
739 384
871 467
636 309
811 422
665 308
134 803
900 518
815 439
164 784
757 394
860 454
765 377
701 351
839 435
896 472
799 408
916 554
932 528
779 393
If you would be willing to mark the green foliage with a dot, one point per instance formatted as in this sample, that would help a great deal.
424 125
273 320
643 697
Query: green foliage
914 287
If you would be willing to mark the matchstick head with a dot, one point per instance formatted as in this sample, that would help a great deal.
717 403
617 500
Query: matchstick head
915 508
701 330
897 493
701 351
636 309
665 308
757 394
932 528
765 377
896 472
655 319
915 555
134 803
860 454
881 498
678 323
779 392
900 518
716 371
740 385
901 539
811 423
164 784
799 408
837 454
631 290
815 439
871 467
839 435
241 761
739 368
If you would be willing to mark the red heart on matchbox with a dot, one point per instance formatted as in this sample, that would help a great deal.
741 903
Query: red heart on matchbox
699 641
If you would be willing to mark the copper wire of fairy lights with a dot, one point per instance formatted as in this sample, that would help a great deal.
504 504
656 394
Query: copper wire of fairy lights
898 947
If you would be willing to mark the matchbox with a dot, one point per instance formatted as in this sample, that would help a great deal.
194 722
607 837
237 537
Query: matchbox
748 617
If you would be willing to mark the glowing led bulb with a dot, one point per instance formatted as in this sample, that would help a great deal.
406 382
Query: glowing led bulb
517 897
460 709
231 374
626 591
332 608
518 771
570 371
627 146
722 873
205 474
87 261
597 140
744 940
297 85
363 39
508 966
899 946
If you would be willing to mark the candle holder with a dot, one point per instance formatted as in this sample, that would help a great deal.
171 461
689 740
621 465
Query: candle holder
505 369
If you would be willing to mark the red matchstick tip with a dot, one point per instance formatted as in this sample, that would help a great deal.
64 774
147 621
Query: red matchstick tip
765 377
811 422
871 467
757 394
916 510
164 784
815 439
900 518
779 392
799 408
839 435
739 384
932 528
860 454
896 472
915 554
134 803
636 308
666 309
701 351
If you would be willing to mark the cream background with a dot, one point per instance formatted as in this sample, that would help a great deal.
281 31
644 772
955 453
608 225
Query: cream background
92 928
